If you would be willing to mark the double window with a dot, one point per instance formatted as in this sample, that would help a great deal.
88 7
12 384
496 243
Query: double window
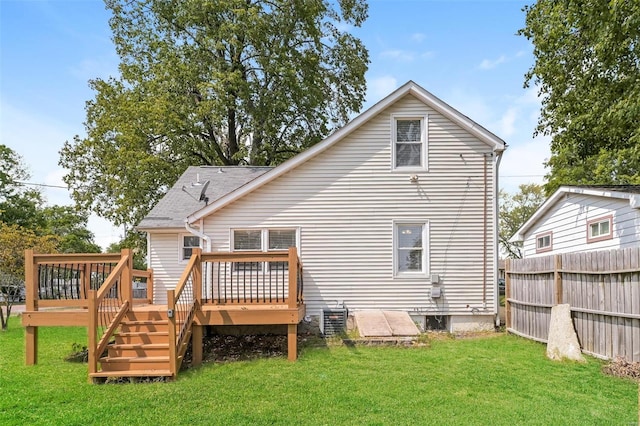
600 229
544 242
409 142
410 248
262 240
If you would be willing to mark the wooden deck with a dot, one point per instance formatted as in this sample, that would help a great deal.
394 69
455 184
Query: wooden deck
129 336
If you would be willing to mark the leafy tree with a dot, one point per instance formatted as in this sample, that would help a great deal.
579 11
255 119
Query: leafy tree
587 69
14 240
70 226
212 83
137 242
514 211
18 204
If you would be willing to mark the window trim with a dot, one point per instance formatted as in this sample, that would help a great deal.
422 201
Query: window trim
181 246
545 248
598 220
425 249
424 157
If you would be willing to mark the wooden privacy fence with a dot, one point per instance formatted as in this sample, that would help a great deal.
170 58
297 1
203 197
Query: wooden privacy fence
602 288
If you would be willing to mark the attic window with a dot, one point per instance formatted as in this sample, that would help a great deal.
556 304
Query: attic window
544 242
409 143
600 229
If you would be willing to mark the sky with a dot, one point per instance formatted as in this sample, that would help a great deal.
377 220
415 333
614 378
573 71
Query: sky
467 53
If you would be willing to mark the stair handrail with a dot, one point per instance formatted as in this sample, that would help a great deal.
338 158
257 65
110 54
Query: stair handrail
182 303
107 307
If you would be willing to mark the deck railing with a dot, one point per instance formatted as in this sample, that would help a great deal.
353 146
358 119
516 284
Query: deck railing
64 280
107 306
182 304
252 278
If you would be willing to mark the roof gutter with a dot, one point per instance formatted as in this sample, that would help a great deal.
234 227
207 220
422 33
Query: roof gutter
199 234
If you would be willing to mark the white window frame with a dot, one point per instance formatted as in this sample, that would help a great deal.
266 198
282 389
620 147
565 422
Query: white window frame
264 239
542 236
425 249
599 221
181 246
424 142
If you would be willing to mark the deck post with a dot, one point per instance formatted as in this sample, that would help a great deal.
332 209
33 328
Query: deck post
92 337
31 291
197 276
293 278
150 285
127 276
173 356
292 342
196 344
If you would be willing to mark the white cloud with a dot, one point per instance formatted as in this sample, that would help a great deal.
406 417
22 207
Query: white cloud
418 37
524 163
92 68
507 122
398 54
379 87
488 64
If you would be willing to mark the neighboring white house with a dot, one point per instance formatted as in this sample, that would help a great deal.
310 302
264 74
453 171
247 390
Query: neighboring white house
583 218
395 211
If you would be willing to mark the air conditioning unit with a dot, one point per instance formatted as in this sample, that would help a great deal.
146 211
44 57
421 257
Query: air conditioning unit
333 321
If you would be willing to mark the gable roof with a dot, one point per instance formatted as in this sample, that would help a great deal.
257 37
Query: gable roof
409 88
183 197
624 192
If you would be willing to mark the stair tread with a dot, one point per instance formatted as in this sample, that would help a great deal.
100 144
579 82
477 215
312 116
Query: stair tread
143 322
134 359
137 333
139 345
132 373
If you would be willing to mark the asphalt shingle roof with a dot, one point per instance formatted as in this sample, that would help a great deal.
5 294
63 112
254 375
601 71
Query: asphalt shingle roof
183 197
632 189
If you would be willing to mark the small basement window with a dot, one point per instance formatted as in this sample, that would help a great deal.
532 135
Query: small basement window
600 229
544 242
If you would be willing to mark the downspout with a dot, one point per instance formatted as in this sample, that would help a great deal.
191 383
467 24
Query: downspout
484 232
199 234
496 169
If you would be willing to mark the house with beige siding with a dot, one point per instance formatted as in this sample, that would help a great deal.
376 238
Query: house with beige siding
583 218
394 211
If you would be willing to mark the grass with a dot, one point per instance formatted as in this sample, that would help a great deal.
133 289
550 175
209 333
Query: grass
501 380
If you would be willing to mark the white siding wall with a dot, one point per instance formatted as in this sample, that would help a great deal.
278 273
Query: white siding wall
568 218
344 201
164 250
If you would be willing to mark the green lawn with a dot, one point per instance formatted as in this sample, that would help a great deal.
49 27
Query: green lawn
501 380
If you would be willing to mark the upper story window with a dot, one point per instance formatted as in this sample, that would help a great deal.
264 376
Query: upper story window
188 243
544 242
600 229
410 248
409 143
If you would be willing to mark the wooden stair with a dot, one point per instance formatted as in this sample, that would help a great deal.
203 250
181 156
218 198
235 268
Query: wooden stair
140 348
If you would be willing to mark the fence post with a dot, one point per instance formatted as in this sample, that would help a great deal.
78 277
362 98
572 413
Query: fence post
557 278
92 337
507 293
31 292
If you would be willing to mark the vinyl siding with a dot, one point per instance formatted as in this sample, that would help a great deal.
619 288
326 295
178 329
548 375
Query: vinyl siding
344 202
164 251
568 218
